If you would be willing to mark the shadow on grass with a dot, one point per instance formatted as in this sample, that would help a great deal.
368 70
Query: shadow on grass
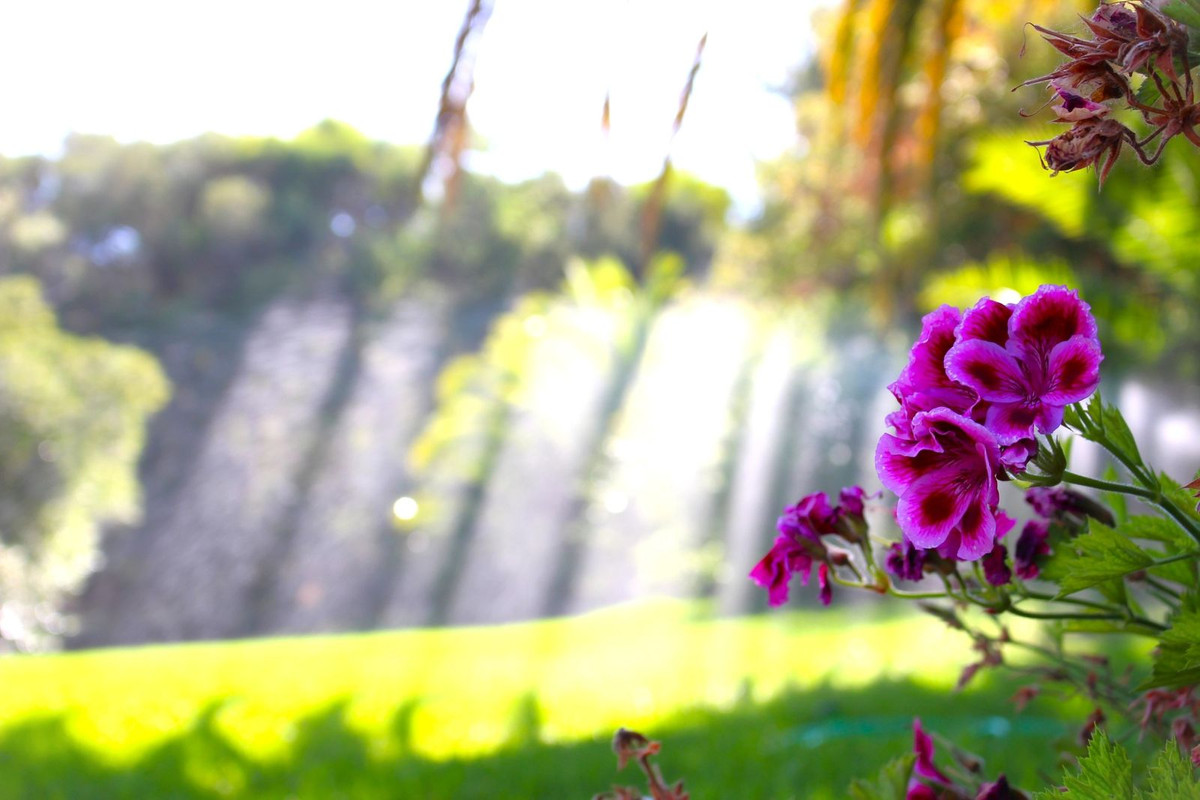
807 745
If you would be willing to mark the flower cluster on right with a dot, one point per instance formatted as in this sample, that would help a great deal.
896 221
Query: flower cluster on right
977 388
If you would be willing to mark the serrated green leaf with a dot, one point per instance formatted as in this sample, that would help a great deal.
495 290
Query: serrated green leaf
1182 11
1180 572
1104 773
1148 93
1177 658
1178 495
1158 529
890 784
1170 777
1093 408
1071 418
1175 540
1116 430
1099 556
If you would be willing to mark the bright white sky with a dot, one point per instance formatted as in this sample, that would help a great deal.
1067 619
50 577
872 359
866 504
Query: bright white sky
163 70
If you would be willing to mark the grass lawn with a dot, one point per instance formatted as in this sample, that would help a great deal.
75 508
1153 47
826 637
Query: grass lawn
777 706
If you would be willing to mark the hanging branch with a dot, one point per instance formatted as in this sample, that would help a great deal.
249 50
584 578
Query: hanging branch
443 155
651 219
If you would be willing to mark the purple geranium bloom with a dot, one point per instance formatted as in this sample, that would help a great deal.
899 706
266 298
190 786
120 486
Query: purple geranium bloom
811 517
1030 545
851 501
1052 503
923 384
923 748
995 566
1050 359
905 561
919 791
826 591
946 482
787 556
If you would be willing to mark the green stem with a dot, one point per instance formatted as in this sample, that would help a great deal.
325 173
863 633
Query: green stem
1179 515
1133 618
1119 695
1075 601
1162 587
1109 486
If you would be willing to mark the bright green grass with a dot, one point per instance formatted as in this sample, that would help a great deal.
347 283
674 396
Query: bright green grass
784 705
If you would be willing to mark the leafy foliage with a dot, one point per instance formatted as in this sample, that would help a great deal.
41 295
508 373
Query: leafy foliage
1105 772
1177 659
72 424
1098 556
890 784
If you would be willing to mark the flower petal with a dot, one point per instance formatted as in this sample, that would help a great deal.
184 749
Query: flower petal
987 320
931 507
1074 371
987 368
978 530
899 462
1049 316
1049 419
1011 422
923 749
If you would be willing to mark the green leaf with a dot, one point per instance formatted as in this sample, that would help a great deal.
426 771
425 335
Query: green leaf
1158 529
1175 540
1178 495
1148 93
1170 777
1104 773
1098 556
1177 659
890 784
1186 12
1116 430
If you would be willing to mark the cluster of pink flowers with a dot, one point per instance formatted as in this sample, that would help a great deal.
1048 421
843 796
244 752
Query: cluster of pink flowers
1125 38
803 529
977 388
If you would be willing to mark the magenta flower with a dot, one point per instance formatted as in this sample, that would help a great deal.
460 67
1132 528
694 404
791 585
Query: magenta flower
1030 546
995 566
796 548
919 791
923 384
826 591
946 482
923 748
1054 503
811 517
905 561
1050 359
788 556
851 501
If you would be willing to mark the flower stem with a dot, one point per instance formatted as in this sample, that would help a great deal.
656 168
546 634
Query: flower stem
1108 486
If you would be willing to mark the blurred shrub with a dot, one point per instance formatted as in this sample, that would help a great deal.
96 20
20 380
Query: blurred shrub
72 423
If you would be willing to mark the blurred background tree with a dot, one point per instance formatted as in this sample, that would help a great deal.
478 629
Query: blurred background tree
911 177
73 414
